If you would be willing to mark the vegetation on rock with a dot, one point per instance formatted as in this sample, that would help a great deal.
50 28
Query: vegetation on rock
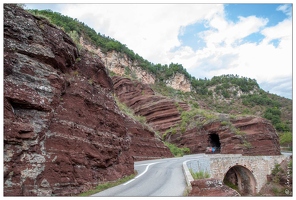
199 175
178 152
280 180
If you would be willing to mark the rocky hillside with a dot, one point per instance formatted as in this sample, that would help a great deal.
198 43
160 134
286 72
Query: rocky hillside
159 112
186 126
63 131
228 94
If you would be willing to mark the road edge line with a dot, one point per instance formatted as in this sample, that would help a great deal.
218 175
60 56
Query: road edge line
146 169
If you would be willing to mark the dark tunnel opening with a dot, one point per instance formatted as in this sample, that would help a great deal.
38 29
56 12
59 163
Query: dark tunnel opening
214 140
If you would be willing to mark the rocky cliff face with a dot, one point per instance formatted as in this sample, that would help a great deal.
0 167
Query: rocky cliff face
245 135
179 82
160 112
242 135
63 132
144 145
120 63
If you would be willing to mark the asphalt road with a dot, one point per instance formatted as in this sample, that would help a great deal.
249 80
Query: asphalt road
163 177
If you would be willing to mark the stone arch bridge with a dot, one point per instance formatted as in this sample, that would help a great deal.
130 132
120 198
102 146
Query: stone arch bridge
249 173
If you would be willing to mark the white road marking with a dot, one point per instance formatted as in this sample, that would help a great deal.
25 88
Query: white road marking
148 165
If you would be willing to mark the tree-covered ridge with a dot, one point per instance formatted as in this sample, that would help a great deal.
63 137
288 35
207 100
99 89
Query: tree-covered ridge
223 85
245 84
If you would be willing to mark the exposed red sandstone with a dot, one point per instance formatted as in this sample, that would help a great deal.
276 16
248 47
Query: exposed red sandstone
160 112
211 187
245 135
63 132
144 143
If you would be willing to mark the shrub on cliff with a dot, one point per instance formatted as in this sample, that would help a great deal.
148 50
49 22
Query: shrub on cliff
178 152
286 138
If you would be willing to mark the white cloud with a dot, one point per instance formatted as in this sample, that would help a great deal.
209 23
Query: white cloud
286 8
227 33
282 31
227 54
150 30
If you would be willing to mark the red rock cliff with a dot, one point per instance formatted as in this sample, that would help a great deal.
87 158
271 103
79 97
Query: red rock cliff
63 132
244 135
160 112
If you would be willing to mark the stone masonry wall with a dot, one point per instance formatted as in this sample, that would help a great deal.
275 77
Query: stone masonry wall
260 166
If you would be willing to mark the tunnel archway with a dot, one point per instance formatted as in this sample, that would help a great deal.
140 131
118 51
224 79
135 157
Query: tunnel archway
241 179
214 141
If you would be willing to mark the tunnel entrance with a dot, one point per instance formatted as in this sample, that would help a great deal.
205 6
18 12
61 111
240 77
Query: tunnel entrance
214 141
241 179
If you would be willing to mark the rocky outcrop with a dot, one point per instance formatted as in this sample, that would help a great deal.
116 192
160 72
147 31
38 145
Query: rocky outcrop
120 63
63 132
145 145
160 112
179 82
211 187
245 135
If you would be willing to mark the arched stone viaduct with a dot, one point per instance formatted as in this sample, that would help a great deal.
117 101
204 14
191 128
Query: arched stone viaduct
249 172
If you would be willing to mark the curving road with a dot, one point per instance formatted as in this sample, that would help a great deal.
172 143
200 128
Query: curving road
163 177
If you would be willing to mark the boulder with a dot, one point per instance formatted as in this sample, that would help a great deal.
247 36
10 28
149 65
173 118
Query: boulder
211 187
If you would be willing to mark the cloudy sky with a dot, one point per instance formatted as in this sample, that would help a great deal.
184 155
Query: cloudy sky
250 40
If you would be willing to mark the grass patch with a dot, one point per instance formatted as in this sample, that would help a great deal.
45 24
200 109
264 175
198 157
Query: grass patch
190 119
231 185
247 144
176 151
226 123
199 175
129 112
105 186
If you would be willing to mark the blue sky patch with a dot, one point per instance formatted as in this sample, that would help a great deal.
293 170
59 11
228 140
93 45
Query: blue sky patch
190 36
275 42
254 38
268 11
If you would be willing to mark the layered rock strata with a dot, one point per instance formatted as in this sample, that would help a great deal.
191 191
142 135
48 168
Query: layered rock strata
145 145
242 135
160 112
63 132
245 135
